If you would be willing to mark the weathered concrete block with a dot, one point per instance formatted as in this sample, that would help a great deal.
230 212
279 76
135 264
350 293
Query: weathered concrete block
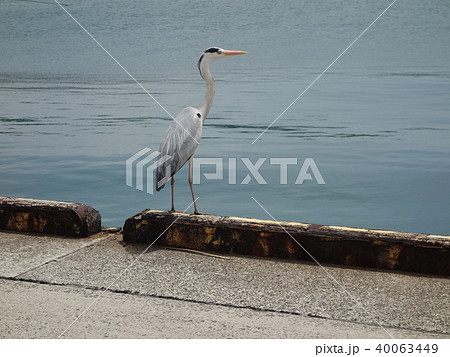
327 244
50 217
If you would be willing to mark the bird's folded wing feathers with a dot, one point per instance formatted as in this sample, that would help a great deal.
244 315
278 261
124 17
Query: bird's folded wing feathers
179 144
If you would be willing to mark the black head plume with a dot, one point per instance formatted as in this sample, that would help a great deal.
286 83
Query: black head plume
212 50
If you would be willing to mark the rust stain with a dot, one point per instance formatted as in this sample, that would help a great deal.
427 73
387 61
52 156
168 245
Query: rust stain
77 229
208 239
264 245
393 254
209 231
378 242
389 257
22 221
235 236
174 236
39 223
141 223
290 247
209 235
18 221
328 239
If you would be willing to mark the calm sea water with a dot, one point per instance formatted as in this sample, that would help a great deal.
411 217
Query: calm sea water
377 124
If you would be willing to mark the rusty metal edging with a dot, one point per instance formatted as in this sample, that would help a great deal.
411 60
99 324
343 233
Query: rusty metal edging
49 217
360 247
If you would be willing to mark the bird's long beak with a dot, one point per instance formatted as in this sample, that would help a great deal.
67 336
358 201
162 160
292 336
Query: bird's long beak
233 53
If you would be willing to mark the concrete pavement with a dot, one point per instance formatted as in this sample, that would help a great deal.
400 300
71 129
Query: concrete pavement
47 282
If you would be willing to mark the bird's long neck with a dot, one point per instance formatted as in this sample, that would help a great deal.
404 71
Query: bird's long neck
206 103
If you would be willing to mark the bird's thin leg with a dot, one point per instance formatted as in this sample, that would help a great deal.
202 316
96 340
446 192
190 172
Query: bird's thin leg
172 182
190 185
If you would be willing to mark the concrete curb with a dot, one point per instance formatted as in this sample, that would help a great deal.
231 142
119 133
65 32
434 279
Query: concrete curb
378 249
68 219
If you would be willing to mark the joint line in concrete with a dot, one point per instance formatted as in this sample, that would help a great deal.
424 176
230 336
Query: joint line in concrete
124 271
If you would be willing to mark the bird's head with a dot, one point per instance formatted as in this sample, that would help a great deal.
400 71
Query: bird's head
214 53
217 52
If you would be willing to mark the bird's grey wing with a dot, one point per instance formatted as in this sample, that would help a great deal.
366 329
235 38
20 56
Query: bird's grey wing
179 144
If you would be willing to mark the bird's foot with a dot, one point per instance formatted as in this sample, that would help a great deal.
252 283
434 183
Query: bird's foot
197 212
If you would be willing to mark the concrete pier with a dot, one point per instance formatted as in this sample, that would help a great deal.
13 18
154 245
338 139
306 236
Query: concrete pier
109 285
49 283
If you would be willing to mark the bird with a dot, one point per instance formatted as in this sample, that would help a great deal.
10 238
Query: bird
185 131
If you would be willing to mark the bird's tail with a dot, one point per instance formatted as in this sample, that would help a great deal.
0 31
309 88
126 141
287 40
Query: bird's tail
162 175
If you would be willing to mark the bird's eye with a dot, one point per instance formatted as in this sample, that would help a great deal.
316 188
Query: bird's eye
199 115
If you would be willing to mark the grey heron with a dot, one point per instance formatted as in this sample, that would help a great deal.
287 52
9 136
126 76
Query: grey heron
183 134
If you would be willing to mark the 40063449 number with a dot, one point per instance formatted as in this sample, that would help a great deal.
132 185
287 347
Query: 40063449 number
407 348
